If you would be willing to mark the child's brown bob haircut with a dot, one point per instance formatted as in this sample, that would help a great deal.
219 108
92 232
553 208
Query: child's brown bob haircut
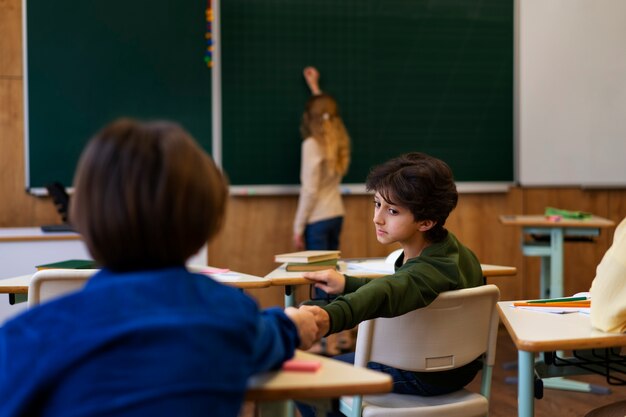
146 196
420 183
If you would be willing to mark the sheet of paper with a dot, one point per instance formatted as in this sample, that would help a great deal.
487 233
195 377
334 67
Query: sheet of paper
370 266
556 310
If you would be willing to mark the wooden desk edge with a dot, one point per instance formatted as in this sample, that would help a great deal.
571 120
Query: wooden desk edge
539 346
260 394
375 383
538 220
14 290
490 271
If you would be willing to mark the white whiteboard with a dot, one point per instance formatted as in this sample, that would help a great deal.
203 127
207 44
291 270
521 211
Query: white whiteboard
571 121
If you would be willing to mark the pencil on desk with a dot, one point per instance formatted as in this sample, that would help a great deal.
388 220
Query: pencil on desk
585 303
557 300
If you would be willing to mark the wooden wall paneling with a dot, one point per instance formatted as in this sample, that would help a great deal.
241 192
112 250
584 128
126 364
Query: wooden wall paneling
255 229
355 231
580 258
617 206
10 38
475 222
17 208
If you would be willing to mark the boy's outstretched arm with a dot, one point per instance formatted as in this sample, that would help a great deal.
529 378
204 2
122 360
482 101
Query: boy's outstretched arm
312 78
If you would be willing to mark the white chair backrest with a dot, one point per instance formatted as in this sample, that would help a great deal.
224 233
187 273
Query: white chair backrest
52 283
393 256
456 328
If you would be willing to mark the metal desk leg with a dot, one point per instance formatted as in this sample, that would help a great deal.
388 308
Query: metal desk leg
290 297
525 386
556 263
544 281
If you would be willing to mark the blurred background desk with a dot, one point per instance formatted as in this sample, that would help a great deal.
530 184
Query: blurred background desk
545 238
22 248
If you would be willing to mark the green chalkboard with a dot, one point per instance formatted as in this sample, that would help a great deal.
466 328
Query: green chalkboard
90 62
433 76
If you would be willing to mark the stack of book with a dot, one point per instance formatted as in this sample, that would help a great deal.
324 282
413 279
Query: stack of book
309 260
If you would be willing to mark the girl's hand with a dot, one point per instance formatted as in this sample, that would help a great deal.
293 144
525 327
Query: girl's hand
298 241
312 78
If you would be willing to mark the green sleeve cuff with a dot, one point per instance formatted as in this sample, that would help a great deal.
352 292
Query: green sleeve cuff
354 283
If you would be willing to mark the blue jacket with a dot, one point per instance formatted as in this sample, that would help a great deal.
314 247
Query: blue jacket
150 343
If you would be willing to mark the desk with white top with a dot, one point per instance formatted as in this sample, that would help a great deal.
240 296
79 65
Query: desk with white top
533 332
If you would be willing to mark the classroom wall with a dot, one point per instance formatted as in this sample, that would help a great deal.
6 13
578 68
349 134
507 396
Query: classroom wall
258 227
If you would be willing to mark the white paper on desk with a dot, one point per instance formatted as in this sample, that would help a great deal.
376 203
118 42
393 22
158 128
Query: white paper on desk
225 275
556 310
374 266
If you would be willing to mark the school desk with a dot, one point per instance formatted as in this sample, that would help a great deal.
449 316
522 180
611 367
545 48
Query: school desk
547 243
366 268
533 332
17 287
333 379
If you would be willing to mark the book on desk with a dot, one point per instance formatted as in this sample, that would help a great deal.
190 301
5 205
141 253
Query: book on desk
307 256
309 260
69 264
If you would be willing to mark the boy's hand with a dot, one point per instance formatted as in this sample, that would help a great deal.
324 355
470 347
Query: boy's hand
321 318
306 323
329 280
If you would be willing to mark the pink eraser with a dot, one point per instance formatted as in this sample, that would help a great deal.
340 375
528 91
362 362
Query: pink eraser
215 271
554 218
301 365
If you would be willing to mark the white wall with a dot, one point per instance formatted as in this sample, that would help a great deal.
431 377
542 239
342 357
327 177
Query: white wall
571 121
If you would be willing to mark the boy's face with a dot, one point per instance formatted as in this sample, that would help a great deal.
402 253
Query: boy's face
394 223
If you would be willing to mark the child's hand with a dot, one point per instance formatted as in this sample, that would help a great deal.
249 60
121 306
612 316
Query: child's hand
328 280
312 78
321 318
306 323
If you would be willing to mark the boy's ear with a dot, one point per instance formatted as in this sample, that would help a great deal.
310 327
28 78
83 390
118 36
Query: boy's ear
426 225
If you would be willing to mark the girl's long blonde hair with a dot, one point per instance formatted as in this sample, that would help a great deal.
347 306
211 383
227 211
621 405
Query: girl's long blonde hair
321 121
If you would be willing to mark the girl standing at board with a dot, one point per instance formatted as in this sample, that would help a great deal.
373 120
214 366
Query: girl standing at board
324 161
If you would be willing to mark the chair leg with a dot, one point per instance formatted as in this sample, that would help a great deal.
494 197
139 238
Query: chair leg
354 410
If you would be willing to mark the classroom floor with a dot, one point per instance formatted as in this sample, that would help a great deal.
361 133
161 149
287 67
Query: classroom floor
555 403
